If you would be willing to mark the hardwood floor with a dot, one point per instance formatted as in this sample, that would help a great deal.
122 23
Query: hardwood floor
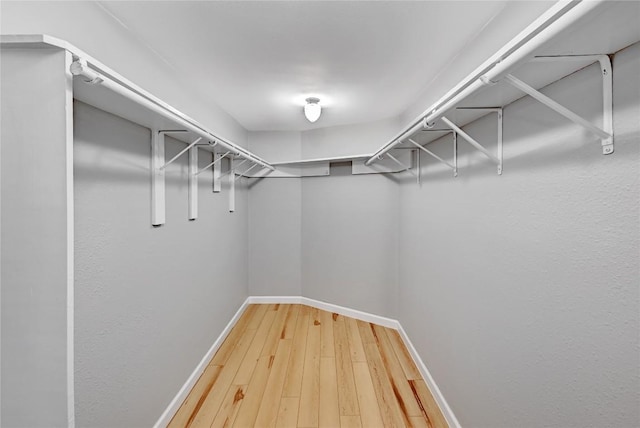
297 366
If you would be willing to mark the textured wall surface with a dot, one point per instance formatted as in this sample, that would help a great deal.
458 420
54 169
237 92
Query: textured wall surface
149 301
275 220
37 237
350 240
520 292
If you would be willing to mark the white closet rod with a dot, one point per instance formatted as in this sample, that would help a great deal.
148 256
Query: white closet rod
80 68
560 16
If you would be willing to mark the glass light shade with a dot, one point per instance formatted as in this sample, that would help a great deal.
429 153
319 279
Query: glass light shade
312 109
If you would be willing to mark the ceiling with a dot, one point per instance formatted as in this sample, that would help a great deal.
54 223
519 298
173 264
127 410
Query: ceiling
259 60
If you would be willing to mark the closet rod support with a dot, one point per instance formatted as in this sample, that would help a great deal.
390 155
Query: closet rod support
406 168
212 163
183 151
244 174
469 139
233 171
430 153
606 137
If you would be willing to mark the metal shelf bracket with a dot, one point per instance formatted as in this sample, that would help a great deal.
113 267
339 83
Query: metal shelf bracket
469 139
433 155
406 168
606 134
193 183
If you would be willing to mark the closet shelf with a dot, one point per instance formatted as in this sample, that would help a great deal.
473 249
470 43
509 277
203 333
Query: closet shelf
559 43
100 86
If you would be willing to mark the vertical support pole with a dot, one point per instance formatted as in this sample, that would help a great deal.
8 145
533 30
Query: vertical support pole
455 154
157 178
217 172
419 168
193 183
607 101
499 111
232 186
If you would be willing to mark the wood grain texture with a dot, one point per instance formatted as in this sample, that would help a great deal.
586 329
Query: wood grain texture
296 366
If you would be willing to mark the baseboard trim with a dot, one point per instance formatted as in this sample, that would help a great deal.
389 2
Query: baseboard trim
431 384
177 401
173 407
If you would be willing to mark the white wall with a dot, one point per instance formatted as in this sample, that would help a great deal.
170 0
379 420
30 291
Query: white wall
149 301
37 238
89 27
348 140
349 240
328 238
520 292
275 220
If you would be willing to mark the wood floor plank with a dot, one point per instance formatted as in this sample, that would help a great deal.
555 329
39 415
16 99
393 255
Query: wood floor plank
212 402
230 406
419 422
329 408
408 366
289 328
292 365
255 391
352 421
347 394
293 380
431 410
355 341
310 390
256 320
191 405
268 411
389 408
327 348
400 384
366 334
288 412
222 354
275 333
369 409
253 353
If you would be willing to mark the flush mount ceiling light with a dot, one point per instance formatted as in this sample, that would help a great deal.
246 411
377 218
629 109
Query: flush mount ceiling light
312 109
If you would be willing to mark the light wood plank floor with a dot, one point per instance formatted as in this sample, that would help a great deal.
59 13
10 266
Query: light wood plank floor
297 366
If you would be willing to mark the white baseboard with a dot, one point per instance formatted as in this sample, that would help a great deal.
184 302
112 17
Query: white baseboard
173 407
431 384
177 401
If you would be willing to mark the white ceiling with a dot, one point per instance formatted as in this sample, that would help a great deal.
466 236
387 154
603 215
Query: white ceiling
260 60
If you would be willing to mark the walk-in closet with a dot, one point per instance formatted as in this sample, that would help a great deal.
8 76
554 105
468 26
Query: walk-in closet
320 214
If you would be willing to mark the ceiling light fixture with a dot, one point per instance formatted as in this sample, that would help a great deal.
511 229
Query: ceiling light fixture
312 109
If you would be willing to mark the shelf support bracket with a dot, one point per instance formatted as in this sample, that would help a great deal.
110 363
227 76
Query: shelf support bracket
469 139
193 183
212 164
606 134
232 186
435 156
157 178
217 171
181 153
406 168
243 174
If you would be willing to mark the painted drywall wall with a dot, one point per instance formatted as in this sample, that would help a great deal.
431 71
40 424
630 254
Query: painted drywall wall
328 238
521 292
511 19
90 27
37 238
349 240
149 301
275 220
348 140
